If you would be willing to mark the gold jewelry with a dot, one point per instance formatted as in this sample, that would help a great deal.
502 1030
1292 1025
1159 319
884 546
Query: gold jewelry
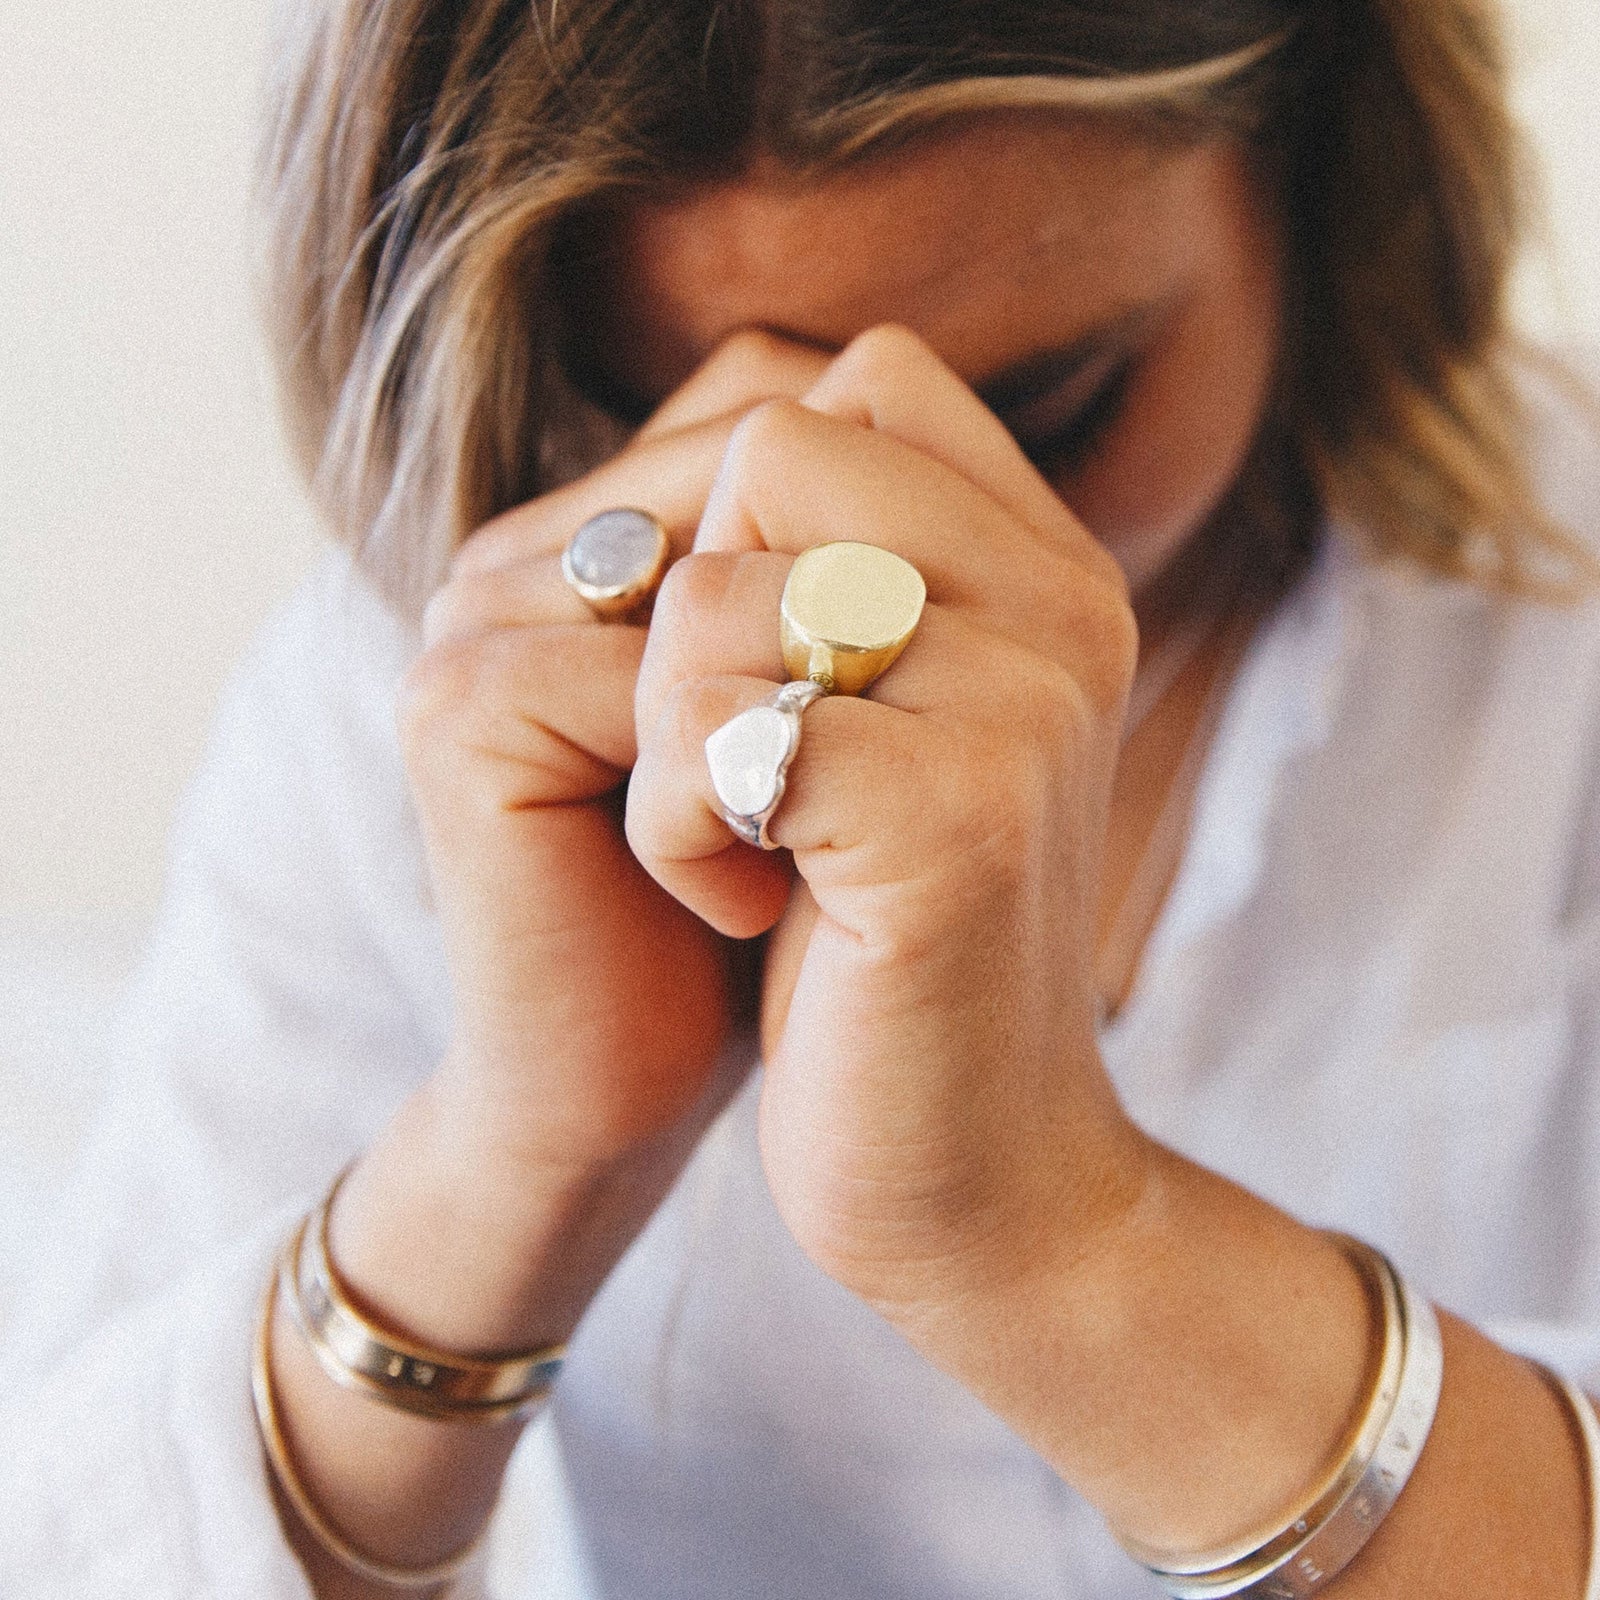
1307 1551
288 1480
616 560
359 1355
848 611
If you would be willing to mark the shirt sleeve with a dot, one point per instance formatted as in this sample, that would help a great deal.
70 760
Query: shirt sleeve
1564 1332
290 997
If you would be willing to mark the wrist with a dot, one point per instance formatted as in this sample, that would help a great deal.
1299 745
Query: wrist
1190 1369
515 1249
1064 1222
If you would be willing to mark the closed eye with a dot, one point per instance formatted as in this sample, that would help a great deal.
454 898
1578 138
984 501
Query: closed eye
1067 446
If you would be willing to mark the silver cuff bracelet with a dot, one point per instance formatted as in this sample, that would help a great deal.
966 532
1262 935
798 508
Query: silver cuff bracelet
1314 1545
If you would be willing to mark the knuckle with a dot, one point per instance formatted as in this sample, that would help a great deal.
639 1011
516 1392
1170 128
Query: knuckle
472 731
1113 650
754 350
883 354
766 434
1099 621
749 366
436 689
1107 569
502 538
457 607
693 586
530 529
1058 705
1048 730
693 709
678 732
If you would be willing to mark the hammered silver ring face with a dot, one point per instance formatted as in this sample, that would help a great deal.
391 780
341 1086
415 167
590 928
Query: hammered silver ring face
749 758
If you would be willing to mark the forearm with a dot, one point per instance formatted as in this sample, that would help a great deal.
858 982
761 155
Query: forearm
1198 1373
438 1242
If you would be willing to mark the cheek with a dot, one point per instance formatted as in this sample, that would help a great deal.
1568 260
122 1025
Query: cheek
1189 419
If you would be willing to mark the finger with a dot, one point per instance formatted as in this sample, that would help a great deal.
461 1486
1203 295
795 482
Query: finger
793 478
890 380
883 791
669 466
719 619
675 823
715 615
748 367
529 593
669 477
548 711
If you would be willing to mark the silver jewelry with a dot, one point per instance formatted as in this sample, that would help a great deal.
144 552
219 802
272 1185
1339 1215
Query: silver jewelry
1319 1541
749 758
1583 1413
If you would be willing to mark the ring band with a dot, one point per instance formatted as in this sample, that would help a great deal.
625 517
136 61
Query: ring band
749 758
615 561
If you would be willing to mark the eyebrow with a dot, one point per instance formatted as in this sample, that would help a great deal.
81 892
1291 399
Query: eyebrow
1016 387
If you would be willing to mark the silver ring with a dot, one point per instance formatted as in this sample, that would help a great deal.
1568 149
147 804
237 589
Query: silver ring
1308 1553
749 758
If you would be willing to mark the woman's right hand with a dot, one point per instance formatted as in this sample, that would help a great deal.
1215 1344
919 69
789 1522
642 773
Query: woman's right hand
590 1007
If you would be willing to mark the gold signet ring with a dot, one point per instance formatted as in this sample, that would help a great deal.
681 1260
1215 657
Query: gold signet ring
615 561
848 611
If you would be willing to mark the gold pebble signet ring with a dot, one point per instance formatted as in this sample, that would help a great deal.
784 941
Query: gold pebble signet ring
848 611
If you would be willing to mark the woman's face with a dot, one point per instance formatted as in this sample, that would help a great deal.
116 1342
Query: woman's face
1115 303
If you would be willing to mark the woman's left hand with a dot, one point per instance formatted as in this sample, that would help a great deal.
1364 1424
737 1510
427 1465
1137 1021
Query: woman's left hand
936 1126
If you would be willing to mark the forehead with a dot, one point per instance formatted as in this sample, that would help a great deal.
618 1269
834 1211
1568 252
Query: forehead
987 240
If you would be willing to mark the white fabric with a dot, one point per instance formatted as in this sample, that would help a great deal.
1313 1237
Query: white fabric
1374 997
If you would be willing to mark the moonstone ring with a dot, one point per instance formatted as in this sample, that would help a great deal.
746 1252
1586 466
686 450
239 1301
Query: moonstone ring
749 758
615 561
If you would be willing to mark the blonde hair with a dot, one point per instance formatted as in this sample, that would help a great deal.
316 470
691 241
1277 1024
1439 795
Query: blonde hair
422 159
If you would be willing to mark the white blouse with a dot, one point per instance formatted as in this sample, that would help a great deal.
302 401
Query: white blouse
1373 997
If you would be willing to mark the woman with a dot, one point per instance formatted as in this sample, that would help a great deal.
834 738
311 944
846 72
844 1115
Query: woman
1209 871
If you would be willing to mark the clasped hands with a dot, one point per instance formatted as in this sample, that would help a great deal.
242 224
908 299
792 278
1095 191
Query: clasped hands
936 1129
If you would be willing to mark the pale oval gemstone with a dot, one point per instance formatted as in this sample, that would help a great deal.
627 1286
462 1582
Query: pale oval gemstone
747 757
615 550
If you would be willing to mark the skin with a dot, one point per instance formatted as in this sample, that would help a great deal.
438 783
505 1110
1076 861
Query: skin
936 1127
